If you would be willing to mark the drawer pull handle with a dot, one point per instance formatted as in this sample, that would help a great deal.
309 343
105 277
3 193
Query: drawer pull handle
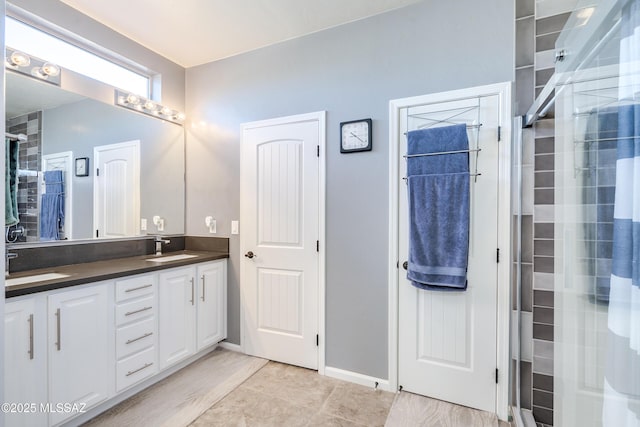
146 365
148 334
30 336
138 288
192 301
129 313
203 287
58 343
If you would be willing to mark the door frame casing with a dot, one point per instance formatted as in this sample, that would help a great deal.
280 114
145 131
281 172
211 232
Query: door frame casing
503 90
321 118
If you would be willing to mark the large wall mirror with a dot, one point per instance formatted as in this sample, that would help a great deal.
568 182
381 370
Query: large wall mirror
118 169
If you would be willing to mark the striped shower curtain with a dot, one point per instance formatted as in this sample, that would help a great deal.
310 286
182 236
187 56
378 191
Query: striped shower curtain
622 372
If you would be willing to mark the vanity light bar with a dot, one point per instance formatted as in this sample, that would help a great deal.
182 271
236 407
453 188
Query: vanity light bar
148 107
31 66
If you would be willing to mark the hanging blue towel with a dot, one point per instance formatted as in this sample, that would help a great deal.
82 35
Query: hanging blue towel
438 208
52 206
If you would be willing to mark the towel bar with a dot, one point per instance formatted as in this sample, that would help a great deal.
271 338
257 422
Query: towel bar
408 156
471 174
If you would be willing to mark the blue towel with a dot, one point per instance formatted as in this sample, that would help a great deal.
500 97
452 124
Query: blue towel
438 209
52 206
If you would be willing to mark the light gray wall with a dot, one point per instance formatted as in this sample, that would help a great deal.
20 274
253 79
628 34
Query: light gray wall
58 13
352 72
81 126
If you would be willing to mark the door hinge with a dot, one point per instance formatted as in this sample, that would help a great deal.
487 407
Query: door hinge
317 245
499 133
318 150
97 171
498 255
496 375
317 340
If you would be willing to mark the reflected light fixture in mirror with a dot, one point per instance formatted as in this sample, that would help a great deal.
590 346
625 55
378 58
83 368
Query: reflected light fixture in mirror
31 66
147 106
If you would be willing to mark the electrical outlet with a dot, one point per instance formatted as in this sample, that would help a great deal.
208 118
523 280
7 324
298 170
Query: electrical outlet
143 224
235 227
211 223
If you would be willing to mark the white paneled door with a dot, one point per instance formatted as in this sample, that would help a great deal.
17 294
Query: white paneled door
279 206
116 195
447 341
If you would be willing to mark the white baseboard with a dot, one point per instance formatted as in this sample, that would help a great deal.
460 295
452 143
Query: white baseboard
357 378
230 346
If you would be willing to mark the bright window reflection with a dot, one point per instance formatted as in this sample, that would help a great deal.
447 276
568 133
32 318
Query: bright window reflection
34 42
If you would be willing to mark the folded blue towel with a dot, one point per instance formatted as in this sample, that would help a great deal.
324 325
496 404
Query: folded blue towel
438 140
53 181
438 209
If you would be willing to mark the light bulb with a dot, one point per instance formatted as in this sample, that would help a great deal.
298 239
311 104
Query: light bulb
180 116
133 99
166 111
19 59
50 69
150 105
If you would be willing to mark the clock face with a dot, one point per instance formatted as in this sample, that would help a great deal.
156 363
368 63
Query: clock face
356 136
81 167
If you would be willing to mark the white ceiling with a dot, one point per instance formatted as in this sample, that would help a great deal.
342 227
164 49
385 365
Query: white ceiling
194 32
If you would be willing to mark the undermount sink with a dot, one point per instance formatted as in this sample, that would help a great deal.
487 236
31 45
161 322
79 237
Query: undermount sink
171 258
33 279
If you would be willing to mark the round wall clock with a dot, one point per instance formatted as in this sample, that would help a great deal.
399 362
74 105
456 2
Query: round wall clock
355 136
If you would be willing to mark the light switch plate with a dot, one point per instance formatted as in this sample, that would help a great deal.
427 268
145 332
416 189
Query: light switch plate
235 227
143 224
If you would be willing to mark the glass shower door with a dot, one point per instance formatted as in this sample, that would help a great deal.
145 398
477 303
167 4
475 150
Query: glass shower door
597 230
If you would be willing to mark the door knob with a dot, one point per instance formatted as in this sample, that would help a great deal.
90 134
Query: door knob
250 255
405 265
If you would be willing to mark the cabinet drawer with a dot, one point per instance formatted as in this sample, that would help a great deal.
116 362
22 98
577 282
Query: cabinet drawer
136 368
133 338
135 310
135 287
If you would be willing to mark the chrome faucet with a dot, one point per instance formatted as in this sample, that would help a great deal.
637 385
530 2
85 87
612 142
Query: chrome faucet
9 255
159 241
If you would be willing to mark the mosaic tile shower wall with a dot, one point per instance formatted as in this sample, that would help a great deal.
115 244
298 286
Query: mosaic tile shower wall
29 160
538 25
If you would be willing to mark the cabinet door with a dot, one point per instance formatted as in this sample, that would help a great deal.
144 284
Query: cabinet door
177 315
25 363
212 303
79 346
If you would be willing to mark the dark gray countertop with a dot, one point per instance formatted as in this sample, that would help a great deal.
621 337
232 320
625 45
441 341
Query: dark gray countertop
104 270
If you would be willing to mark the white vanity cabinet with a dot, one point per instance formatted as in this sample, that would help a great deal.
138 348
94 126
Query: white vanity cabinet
177 305
212 303
80 343
193 307
25 369
85 344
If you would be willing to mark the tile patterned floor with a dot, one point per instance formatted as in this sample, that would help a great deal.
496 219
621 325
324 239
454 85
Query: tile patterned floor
284 395
247 391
